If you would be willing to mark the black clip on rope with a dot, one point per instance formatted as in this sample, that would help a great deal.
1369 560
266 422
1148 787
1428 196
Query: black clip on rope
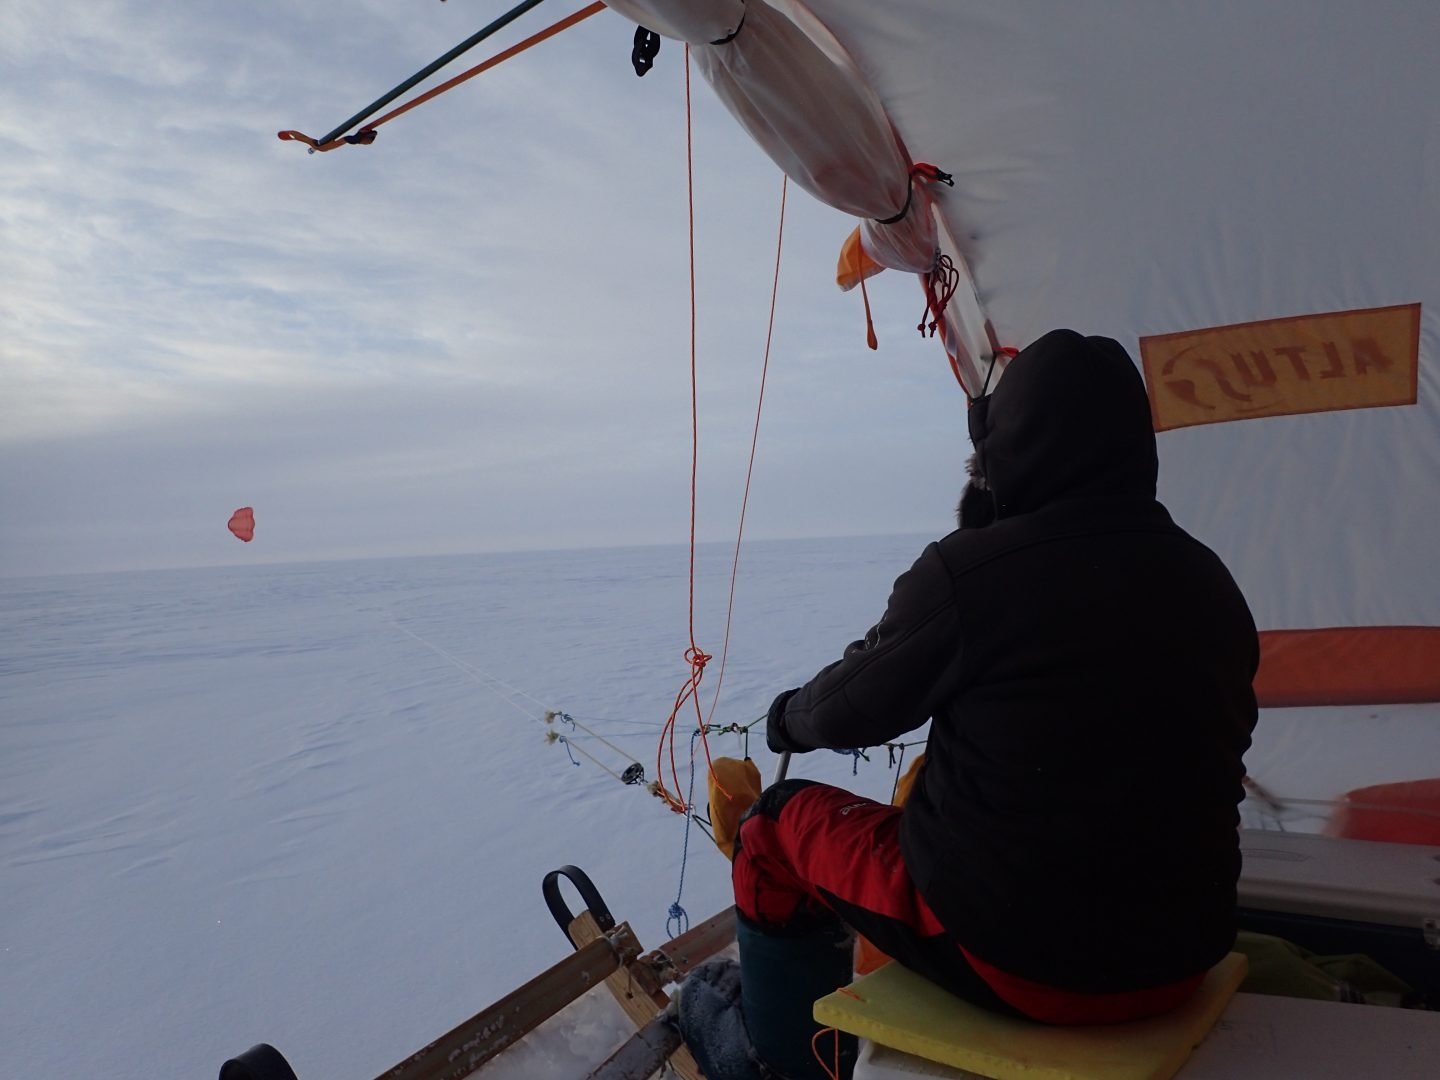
647 47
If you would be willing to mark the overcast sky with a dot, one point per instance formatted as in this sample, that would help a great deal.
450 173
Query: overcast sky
470 336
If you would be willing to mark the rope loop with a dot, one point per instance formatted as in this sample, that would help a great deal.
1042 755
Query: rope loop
679 918
566 743
941 284
919 171
677 914
831 1068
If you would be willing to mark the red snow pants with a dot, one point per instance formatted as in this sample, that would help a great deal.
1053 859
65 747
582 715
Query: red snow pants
807 848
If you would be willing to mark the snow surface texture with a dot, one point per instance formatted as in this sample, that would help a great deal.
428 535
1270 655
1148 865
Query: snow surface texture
258 804
244 804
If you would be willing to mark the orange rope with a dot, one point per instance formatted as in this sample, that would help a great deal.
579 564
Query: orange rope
754 441
832 1072
696 657
366 134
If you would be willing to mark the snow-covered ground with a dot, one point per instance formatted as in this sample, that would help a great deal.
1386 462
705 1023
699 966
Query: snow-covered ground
288 804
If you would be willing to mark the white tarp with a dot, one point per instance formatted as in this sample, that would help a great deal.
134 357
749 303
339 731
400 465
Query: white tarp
799 95
1147 167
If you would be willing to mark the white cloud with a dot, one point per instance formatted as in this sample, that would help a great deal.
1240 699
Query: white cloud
492 297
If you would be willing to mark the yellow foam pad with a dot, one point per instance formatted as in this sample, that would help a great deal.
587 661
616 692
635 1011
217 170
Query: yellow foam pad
897 1008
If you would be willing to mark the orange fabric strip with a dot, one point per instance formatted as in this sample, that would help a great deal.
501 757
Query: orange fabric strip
855 263
1353 665
1403 813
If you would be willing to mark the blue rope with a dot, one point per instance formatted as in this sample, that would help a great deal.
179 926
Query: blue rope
566 743
857 755
678 916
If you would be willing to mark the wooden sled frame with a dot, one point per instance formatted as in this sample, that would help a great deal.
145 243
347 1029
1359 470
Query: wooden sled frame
603 950
639 986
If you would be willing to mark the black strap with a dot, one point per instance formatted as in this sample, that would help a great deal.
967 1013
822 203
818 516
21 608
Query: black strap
733 33
940 177
909 197
550 889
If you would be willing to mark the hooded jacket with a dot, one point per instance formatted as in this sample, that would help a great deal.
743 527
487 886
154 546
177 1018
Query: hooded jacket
1087 666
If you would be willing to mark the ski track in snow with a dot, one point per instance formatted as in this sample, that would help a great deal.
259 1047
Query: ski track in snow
292 804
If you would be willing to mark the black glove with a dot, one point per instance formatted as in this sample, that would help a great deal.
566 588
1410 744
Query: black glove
775 736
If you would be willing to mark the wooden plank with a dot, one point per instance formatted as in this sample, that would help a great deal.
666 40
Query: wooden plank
634 986
639 991
464 1049
643 1054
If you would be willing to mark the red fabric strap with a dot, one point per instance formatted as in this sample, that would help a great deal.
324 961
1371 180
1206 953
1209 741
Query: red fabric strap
1052 1005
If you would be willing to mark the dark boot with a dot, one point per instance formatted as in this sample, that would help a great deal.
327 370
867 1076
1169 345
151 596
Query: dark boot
783 973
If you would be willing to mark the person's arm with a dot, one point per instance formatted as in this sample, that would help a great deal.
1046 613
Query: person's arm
886 684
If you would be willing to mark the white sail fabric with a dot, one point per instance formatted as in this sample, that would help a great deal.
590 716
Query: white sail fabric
1147 168
800 96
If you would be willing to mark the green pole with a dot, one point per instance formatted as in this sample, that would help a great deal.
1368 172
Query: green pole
430 69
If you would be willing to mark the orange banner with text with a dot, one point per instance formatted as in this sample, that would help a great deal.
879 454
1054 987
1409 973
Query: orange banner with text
1277 367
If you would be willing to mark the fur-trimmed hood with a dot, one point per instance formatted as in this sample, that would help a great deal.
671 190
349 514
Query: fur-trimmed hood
977 508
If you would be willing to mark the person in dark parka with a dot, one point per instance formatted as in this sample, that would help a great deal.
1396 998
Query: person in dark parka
1069 851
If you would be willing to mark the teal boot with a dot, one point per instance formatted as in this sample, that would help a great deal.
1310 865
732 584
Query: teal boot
753 1020
782 974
